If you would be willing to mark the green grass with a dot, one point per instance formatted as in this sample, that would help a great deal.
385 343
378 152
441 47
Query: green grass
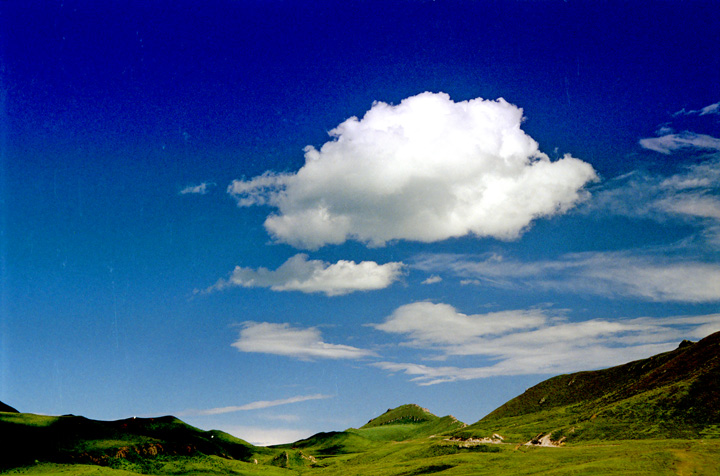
176 467
633 457
403 414
66 469
28 419
434 456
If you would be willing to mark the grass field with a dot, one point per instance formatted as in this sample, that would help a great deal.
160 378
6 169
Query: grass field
427 456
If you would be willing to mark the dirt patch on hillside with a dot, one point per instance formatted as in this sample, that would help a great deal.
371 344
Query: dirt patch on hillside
467 442
546 441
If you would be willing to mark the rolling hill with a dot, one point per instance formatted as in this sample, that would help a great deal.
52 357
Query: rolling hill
29 438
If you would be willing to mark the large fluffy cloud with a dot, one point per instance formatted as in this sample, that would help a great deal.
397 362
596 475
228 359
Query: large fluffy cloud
426 169
282 339
530 341
692 194
315 276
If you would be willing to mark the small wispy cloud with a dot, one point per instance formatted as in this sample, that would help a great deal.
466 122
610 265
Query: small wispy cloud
669 143
315 276
201 189
283 339
692 194
648 277
524 342
261 190
710 109
255 405
432 279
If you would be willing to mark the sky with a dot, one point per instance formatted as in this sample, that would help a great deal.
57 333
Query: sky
276 218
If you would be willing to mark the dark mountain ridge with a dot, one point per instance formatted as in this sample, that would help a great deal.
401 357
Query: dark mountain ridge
7 408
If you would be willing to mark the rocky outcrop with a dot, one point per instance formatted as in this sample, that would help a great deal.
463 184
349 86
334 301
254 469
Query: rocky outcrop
132 453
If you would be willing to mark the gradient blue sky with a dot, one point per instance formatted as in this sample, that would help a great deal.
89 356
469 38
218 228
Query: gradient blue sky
171 245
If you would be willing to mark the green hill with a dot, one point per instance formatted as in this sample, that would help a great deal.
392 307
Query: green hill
397 424
403 414
671 395
123 443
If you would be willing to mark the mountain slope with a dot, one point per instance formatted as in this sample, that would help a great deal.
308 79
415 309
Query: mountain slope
674 394
7 408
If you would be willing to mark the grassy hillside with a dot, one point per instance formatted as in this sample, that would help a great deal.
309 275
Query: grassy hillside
129 443
397 424
670 395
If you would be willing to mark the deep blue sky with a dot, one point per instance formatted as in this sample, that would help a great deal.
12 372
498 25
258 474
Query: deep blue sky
111 303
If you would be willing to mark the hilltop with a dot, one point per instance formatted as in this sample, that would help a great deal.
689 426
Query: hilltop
396 424
411 413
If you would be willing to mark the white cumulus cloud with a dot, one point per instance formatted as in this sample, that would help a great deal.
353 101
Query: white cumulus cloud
425 170
282 339
315 276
